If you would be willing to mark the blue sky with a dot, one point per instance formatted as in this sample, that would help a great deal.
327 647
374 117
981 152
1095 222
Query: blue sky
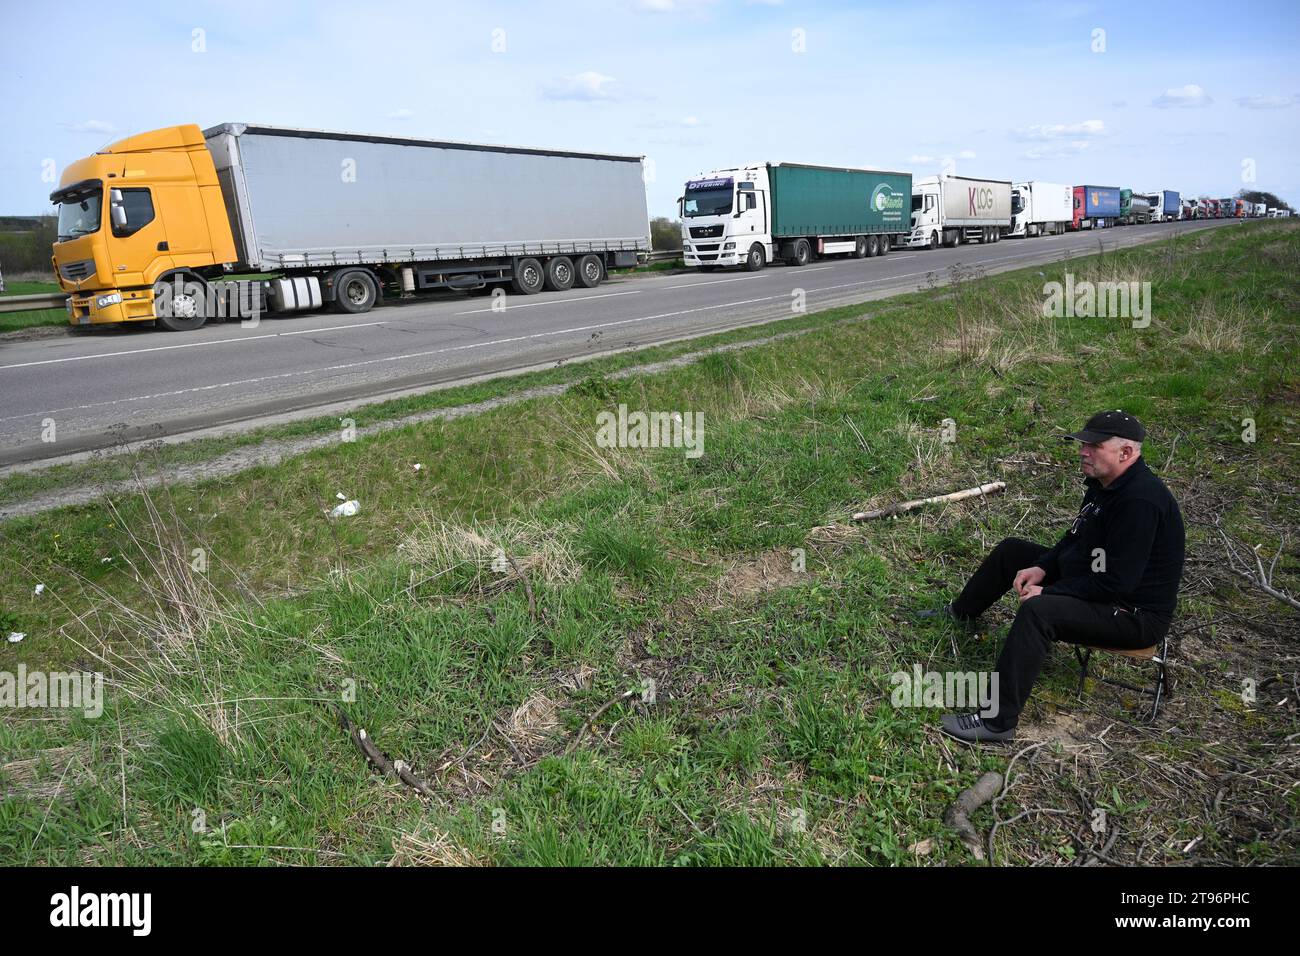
1190 95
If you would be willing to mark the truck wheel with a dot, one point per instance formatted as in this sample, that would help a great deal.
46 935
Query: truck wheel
529 277
559 274
873 246
860 248
756 259
354 292
179 309
934 240
802 253
884 244
590 271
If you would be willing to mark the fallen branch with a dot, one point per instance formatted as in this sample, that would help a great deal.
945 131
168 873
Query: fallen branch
991 488
969 800
380 760
582 731
1259 577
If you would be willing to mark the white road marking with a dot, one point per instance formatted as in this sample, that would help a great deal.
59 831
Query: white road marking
188 345
692 285
569 301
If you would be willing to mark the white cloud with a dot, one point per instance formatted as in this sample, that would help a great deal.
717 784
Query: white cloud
401 114
672 6
1058 150
588 85
1047 133
94 126
1259 102
1190 96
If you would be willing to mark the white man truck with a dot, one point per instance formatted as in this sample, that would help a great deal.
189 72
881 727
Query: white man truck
1041 209
751 215
950 210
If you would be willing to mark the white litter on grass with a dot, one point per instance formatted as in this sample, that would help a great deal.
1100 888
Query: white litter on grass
105 560
346 510
417 466
36 592
15 637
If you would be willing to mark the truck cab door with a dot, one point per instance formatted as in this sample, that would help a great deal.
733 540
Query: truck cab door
137 236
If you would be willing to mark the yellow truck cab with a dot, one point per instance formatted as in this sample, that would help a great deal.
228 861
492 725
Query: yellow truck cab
136 213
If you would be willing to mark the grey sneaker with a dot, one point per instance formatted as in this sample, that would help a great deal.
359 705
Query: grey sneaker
970 729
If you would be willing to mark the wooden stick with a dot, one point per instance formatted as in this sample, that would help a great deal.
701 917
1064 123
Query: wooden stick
991 488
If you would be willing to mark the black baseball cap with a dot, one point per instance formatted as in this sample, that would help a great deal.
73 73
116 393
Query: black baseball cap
1116 424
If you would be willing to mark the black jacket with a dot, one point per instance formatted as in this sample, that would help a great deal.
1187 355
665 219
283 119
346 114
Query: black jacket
1138 528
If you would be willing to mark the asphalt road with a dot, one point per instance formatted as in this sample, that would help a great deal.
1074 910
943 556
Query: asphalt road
127 384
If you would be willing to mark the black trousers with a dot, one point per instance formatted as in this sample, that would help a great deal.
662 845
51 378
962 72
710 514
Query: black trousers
1042 620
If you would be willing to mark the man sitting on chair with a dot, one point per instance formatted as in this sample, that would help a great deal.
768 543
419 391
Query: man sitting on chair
1111 581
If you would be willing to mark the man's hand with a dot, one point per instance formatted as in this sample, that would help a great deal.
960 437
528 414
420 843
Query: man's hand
1032 590
1028 578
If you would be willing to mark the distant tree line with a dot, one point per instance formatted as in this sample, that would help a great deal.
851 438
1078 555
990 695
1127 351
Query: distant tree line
665 234
25 243
1268 199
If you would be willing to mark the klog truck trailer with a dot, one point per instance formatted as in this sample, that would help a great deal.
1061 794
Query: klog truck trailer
752 215
149 225
949 210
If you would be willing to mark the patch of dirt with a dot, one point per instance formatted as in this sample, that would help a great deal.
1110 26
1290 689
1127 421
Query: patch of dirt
768 571
430 848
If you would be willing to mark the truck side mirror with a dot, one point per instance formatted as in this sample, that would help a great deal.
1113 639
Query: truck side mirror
117 211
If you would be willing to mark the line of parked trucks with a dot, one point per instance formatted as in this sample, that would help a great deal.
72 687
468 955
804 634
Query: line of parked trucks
178 226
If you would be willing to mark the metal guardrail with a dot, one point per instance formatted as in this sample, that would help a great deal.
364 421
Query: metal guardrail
29 303
666 256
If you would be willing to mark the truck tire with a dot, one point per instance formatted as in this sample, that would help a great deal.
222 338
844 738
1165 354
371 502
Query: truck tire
529 277
559 274
873 245
884 244
590 271
755 261
934 240
860 248
355 292
802 253
180 310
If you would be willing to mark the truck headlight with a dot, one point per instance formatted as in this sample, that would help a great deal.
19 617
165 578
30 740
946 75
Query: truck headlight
104 301
727 246
686 247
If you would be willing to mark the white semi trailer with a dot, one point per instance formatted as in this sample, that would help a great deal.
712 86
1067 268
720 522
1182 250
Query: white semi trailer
950 210
1041 209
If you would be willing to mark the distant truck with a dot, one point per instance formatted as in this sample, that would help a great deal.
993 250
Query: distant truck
950 210
1260 210
1165 205
1095 207
149 225
1187 209
1040 209
750 216
1133 208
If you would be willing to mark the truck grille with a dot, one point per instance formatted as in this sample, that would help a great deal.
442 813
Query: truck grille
706 232
77 271
711 247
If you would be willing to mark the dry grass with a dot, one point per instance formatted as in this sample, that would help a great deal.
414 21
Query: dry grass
1210 330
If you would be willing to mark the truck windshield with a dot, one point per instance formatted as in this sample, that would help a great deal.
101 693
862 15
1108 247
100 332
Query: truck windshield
916 204
708 202
1017 202
79 214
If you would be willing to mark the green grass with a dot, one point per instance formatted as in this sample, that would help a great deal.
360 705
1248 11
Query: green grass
13 321
743 708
